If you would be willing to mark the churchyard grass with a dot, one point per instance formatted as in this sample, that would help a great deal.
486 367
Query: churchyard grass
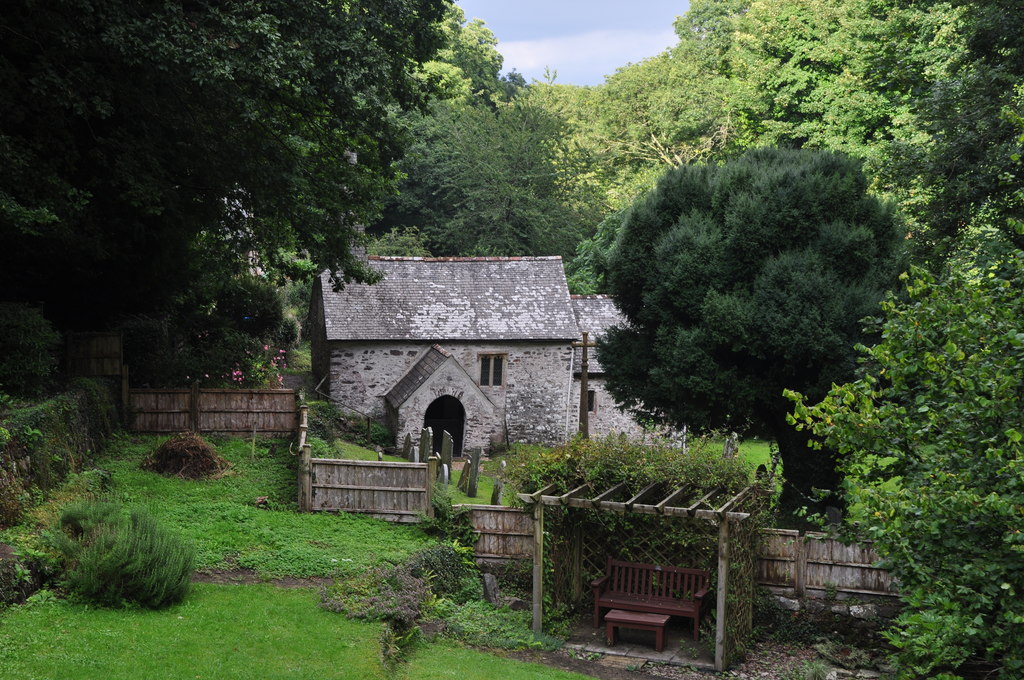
237 631
220 516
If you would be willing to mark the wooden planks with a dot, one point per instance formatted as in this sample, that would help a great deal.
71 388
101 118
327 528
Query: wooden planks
271 413
397 492
812 564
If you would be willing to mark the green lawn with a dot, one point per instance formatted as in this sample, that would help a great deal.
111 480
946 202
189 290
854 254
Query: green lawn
220 516
219 632
440 661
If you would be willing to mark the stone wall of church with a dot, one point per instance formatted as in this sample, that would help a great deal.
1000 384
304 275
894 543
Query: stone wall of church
606 418
532 400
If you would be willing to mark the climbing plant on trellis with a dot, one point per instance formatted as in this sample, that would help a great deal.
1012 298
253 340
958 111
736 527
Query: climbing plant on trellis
633 502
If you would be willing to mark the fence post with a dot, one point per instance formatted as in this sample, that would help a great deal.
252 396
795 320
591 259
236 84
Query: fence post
303 424
538 566
305 479
194 408
432 464
721 631
126 397
800 566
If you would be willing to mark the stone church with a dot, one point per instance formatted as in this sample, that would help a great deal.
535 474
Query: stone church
481 347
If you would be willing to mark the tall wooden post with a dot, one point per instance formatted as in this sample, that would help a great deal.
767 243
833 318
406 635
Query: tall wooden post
538 566
584 384
432 464
723 588
194 408
305 479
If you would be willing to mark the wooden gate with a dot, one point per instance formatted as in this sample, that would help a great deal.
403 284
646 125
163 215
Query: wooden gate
397 492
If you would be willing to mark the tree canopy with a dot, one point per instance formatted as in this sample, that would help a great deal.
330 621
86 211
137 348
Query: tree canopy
930 443
145 142
741 280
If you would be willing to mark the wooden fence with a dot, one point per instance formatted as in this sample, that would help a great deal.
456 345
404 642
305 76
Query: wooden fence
790 563
813 565
269 413
397 492
91 354
502 533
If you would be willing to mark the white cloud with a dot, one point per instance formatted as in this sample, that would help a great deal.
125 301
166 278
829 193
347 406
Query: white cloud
586 58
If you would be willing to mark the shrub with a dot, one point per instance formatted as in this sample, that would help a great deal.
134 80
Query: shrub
27 346
113 559
449 570
391 594
605 462
482 624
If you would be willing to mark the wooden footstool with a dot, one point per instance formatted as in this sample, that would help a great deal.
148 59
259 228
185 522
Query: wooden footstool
618 618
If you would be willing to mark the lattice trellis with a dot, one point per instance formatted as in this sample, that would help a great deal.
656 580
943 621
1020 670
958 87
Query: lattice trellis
573 543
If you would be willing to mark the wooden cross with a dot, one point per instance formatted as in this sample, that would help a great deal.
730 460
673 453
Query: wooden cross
584 379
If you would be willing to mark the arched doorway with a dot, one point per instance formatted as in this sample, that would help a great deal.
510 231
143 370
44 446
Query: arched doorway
446 414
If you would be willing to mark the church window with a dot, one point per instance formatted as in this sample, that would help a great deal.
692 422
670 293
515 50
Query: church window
491 369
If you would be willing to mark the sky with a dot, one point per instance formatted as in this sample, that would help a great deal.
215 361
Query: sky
583 40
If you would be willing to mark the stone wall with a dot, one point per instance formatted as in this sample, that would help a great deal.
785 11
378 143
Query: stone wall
606 418
532 400
855 620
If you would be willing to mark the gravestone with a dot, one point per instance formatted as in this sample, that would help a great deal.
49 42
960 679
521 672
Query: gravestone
423 452
491 591
499 485
474 473
407 447
731 447
447 446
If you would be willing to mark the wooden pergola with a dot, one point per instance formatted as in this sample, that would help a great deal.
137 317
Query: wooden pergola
651 500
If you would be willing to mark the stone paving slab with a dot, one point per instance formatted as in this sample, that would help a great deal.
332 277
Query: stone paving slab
636 647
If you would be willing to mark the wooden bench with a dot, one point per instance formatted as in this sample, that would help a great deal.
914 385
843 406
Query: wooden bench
617 618
635 587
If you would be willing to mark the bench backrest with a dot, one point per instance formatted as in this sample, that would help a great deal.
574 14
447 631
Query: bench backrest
650 580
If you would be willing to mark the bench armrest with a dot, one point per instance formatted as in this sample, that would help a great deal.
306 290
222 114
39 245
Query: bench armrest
700 593
598 584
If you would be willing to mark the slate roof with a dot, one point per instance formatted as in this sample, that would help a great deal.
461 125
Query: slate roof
459 298
595 314
417 375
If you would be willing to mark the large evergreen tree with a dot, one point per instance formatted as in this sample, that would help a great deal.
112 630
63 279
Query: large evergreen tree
741 280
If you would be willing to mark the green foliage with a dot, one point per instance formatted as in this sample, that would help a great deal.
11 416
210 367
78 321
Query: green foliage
221 519
112 559
481 624
401 242
448 522
931 447
28 346
492 180
54 437
189 139
392 594
231 333
605 462
449 570
741 280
